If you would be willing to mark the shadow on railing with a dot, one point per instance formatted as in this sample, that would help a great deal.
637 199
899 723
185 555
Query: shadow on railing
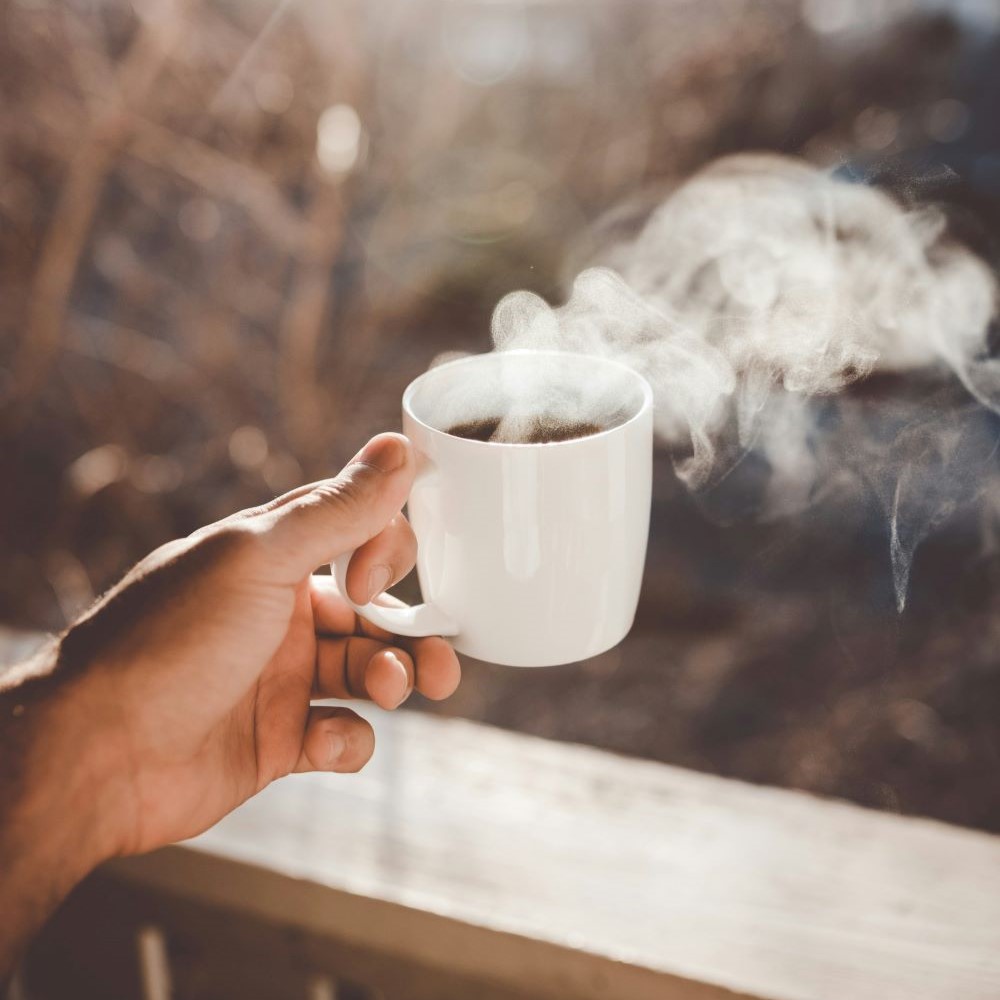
117 940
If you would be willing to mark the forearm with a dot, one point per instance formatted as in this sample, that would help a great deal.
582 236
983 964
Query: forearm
54 807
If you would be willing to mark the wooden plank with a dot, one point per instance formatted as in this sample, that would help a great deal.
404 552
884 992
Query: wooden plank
567 871
214 954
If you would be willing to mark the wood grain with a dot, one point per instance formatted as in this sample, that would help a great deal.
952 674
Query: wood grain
566 871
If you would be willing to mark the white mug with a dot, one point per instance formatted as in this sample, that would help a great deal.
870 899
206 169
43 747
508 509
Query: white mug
528 555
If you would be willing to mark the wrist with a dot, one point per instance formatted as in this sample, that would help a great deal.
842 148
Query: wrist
58 797
63 800
93 798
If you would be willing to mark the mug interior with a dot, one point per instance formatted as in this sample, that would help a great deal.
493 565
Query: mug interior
517 386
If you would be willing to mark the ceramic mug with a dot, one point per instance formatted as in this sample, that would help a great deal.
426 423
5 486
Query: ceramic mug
528 555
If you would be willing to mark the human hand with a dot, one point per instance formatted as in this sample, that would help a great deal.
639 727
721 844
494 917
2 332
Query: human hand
193 677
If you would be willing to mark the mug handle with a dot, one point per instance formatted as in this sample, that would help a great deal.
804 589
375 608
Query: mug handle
418 620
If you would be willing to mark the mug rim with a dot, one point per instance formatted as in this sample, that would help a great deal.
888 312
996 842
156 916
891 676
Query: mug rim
643 384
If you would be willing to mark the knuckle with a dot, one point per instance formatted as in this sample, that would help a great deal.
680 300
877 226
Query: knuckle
232 543
343 493
402 532
356 656
339 503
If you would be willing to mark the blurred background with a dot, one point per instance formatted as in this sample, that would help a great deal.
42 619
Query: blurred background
231 231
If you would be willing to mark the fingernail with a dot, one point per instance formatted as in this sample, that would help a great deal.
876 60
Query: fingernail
386 453
378 579
403 675
336 745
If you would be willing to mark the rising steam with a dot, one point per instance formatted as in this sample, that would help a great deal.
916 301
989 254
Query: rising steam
763 286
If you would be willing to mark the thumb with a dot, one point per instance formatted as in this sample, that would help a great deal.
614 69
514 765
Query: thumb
337 515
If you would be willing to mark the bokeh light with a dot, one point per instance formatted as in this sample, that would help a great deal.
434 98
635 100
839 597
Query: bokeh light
338 139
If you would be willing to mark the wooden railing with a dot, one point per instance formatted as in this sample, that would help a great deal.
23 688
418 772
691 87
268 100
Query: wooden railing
466 862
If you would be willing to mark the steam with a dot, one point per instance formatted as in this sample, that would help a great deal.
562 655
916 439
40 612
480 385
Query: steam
763 286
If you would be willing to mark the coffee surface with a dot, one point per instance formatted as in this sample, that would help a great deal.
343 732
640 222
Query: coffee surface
540 430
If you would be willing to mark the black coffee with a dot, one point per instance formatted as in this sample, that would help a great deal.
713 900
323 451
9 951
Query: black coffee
542 430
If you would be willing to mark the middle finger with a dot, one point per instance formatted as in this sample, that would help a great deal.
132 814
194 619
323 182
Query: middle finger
358 667
382 561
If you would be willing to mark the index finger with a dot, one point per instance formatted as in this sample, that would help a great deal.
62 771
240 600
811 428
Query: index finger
332 615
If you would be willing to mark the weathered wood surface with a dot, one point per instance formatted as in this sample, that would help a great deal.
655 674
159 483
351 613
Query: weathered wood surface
564 871
571 872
